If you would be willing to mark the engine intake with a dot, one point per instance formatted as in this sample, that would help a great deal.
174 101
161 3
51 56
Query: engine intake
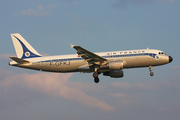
114 74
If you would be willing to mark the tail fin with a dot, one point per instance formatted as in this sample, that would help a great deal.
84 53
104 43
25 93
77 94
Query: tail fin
23 48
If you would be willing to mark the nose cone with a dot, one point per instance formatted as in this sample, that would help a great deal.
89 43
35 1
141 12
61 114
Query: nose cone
170 59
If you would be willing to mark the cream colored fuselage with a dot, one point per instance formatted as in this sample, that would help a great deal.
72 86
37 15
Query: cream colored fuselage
74 63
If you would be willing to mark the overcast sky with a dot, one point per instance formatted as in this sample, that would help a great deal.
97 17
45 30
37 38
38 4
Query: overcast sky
97 25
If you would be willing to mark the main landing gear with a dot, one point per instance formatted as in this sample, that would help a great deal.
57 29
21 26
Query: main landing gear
150 69
95 75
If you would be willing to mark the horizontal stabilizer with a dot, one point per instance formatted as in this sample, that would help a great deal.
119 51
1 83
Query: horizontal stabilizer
18 60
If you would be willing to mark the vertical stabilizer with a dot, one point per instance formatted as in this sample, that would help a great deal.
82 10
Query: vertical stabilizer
23 49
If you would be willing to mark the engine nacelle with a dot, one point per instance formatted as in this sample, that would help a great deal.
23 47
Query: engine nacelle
114 65
114 74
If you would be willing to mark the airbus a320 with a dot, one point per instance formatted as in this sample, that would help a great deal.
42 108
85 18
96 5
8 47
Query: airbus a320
108 63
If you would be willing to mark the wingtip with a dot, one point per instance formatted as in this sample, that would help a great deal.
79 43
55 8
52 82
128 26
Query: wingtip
72 45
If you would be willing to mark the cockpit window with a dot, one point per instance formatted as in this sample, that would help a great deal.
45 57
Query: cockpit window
161 53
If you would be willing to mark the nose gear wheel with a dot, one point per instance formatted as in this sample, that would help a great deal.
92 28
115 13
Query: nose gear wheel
151 74
150 69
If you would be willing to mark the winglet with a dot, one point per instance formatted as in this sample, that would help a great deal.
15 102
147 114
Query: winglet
72 45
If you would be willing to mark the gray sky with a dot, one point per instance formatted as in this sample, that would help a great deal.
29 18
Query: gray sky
97 25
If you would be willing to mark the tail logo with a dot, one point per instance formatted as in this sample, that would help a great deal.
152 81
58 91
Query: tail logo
27 54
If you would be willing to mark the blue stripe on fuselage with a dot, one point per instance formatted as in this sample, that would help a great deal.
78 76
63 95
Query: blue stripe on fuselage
111 56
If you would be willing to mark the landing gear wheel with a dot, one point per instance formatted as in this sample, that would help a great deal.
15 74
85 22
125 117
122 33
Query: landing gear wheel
95 74
96 79
151 74
150 69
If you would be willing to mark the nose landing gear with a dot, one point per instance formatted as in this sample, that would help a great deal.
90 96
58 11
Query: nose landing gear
150 69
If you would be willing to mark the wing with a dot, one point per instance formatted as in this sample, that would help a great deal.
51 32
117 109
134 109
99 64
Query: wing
90 57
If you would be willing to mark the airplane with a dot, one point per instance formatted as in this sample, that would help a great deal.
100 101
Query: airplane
108 63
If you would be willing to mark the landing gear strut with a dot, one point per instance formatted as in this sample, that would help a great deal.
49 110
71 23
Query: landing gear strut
95 75
150 69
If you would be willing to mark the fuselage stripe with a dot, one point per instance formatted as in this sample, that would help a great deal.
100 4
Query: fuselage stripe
110 56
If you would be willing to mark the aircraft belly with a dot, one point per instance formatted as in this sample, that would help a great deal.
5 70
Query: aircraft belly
34 66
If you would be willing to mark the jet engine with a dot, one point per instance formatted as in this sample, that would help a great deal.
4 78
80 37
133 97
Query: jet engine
114 74
114 65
